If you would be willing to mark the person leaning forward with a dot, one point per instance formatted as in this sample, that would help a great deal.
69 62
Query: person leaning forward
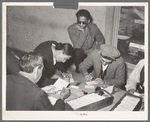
109 67
22 93
54 55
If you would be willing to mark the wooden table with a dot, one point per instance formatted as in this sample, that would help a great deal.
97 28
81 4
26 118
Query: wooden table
81 82
79 78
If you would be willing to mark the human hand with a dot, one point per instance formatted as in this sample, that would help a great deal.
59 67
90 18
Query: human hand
49 89
65 93
131 91
67 76
101 82
88 77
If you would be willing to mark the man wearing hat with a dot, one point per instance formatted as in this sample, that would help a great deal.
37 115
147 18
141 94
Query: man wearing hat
109 67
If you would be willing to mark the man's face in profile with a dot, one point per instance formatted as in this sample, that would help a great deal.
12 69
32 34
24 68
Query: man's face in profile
82 22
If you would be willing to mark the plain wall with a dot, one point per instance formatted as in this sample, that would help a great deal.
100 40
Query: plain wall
28 26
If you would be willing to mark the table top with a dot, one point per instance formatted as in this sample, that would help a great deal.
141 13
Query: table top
81 82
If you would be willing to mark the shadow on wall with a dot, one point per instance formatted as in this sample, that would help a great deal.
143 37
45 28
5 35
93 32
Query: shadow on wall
12 61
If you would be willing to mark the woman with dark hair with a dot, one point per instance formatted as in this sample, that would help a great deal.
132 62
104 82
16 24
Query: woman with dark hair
53 53
85 36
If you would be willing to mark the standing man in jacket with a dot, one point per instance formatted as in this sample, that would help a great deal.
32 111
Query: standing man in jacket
109 67
22 93
85 36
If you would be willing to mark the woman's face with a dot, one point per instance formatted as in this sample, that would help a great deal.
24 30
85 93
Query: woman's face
62 57
82 22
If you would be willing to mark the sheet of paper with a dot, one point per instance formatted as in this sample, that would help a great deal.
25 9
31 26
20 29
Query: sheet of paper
127 104
89 87
91 83
85 100
109 89
137 94
52 100
60 83
75 87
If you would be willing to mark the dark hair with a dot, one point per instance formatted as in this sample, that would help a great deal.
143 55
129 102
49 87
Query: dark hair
84 13
29 61
66 47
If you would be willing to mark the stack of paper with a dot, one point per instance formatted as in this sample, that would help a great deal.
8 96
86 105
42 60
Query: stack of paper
127 104
85 100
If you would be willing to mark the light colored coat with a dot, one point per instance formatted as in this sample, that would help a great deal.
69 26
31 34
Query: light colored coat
115 74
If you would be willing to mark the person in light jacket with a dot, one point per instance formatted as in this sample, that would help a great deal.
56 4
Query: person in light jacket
109 67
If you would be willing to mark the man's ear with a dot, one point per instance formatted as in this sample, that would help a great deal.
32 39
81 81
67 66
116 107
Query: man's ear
100 51
35 72
89 21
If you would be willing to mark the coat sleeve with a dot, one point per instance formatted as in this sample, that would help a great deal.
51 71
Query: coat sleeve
77 38
134 77
119 79
86 64
45 50
99 38
42 103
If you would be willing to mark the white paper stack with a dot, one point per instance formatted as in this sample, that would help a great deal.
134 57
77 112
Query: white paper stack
127 104
85 100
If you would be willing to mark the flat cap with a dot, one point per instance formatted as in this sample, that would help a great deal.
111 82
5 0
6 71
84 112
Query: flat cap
109 51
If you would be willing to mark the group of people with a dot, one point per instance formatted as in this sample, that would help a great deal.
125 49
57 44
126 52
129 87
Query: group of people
91 56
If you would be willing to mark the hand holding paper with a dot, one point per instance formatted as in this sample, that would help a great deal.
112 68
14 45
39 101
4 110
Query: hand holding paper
49 89
88 77
65 93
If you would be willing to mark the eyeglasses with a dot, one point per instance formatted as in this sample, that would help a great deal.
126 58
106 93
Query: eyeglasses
79 22
40 66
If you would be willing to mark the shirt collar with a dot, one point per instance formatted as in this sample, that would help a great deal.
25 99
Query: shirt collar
54 60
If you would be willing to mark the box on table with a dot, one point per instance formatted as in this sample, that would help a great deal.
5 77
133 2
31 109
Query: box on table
90 102
128 102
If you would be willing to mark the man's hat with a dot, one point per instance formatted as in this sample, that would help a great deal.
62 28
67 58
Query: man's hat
108 50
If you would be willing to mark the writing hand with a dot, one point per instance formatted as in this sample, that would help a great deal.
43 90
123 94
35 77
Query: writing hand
67 76
65 93
49 89
101 82
88 77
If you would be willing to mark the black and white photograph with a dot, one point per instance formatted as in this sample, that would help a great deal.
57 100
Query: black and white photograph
87 61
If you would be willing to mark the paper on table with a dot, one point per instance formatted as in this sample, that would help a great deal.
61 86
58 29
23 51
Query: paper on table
109 89
127 104
85 100
89 87
75 87
91 83
52 100
60 83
